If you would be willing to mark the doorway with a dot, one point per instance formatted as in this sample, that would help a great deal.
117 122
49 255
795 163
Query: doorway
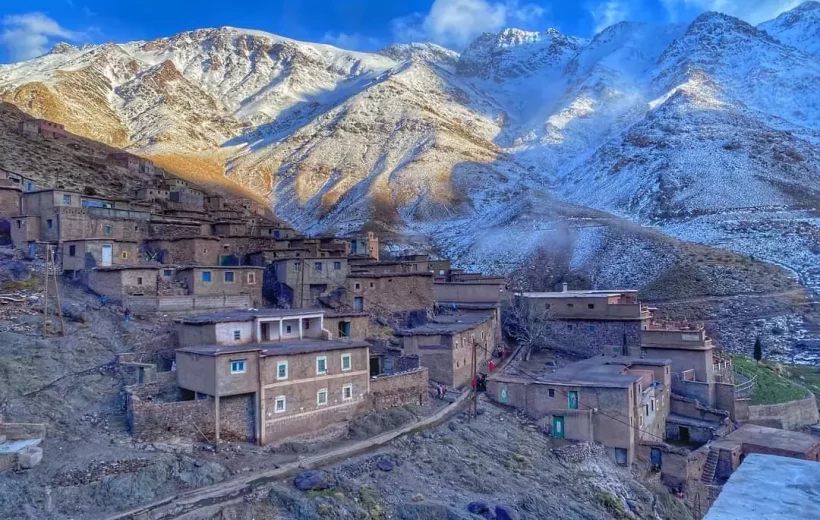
107 255
558 426
358 304
684 434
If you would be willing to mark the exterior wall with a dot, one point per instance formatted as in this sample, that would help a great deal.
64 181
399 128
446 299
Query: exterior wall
592 307
466 292
787 416
359 326
9 201
388 295
185 251
242 284
196 372
701 361
302 412
308 283
24 230
88 254
187 303
116 283
226 333
592 338
189 334
399 389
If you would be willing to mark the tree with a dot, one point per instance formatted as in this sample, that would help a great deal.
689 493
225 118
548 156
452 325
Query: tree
526 322
758 353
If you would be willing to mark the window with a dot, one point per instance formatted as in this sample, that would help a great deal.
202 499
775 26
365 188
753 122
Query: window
237 335
592 328
206 277
372 284
570 305
646 410
49 223
321 396
590 306
358 304
482 335
344 329
124 254
280 404
317 266
275 234
19 224
282 370
337 266
296 266
72 250
307 324
441 272
107 230
237 366
572 399
205 251
357 286
347 393
228 276
321 365
569 326
551 392
139 280
652 405
167 272
251 278
287 329
67 200
346 362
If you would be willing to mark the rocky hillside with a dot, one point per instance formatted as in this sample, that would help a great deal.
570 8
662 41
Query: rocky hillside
705 131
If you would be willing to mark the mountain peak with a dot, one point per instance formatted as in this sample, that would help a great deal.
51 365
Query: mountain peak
421 50
62 48
798 28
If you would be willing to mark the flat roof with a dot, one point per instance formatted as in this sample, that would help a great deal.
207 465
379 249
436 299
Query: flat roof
577 294
601 371
127 267
769 487
389 275
177 239
351 314
770 438
246 315
276 348
231 267
476 306
446 324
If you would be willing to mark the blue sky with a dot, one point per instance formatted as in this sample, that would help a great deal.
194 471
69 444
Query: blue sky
28 29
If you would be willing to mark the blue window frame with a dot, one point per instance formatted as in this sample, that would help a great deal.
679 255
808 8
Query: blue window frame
206 276
238 366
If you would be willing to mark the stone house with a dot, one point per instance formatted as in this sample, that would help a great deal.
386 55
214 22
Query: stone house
268 256
223 281
230 228
117 281
366 245
698 371
440 268
363 265
300 282
386 294
589 323
10 195
445 346
125 160
78 255
153 194
17 180
187 195
617 402
347 325
184 250
42 127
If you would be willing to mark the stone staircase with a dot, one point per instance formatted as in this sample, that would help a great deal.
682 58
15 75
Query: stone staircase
710 467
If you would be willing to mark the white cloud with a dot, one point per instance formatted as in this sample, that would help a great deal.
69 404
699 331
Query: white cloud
353 41
753 12
608 13
457 22
28 35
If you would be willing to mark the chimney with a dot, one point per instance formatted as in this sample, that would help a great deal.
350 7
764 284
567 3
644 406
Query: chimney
565 287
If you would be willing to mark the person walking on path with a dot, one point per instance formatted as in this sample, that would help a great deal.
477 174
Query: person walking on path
491 366
127 314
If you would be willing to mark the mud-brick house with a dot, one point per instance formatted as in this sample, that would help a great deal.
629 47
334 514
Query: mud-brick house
182 250
118 281
366 245
445 346
592 322
153 194
10 195
223 281
386 294
125 160
16 180
42 127
301 282
79 255
617 402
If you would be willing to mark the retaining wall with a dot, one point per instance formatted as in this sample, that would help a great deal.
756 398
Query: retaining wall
792 415
186 303
399 389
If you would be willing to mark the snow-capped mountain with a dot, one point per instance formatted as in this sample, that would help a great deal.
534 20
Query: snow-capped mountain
690 128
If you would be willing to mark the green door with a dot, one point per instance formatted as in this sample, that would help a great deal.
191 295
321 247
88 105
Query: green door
502 394
558 426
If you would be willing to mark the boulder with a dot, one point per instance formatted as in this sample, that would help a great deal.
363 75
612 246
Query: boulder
29 457
477 508
427 511
385 464
503 512
313 481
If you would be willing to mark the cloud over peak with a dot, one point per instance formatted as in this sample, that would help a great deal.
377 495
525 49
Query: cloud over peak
27 35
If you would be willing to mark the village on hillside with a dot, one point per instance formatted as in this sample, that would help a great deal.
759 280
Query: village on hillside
264 336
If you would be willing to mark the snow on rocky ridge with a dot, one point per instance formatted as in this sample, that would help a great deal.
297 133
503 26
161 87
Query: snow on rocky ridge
671 126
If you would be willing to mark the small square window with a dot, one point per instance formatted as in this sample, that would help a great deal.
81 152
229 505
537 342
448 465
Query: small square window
317 266
570 305
206 277
357 286
346 362
237 335
107 230
296 265
321 396
67 200
282 370
228 276
337 266
280 404
238 366
124 254
347 393
590 306
72 250
139 280
321 365
168 272
551 392
372 284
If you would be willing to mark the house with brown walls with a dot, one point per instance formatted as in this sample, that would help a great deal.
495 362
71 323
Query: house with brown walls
191 250
119 281
125 160
78 255
617 402
301 282
445 345
223 281
385 294
42 127
366 245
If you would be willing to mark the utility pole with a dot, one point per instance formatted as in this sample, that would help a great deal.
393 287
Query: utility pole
51 272
474 383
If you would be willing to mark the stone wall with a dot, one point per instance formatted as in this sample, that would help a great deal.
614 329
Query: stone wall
591 338
787 416
399 389
186 303
153 413
387 295
310 422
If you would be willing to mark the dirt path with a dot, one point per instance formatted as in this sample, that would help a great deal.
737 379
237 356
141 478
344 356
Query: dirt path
225 492
703 299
